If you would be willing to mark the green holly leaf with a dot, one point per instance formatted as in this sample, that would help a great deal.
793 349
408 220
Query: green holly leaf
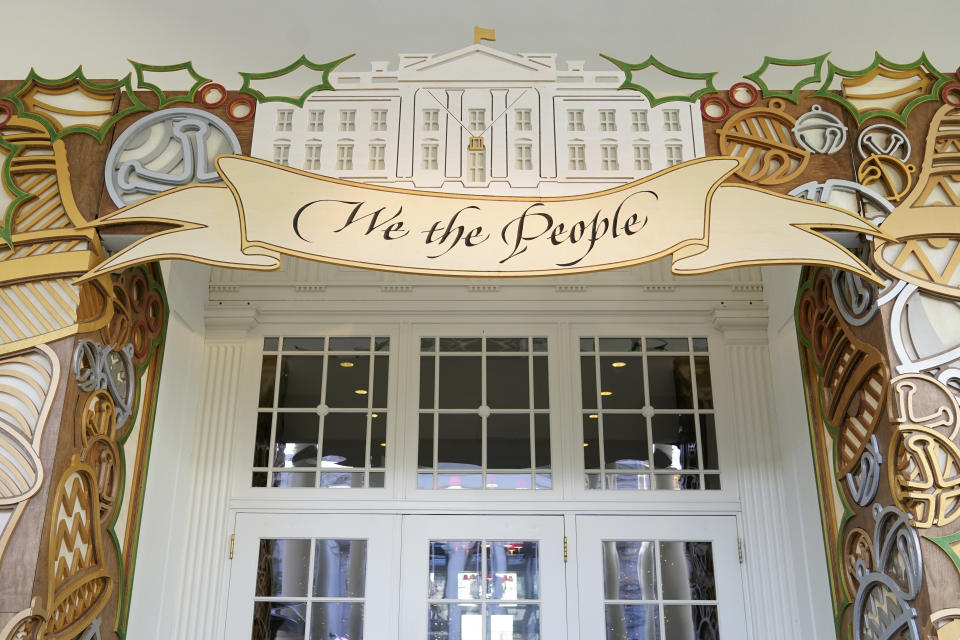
324 85
928 82
628 70
794 94
41 99
140 68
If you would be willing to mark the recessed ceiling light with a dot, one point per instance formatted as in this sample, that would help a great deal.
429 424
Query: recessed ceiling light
383 444
606 393
346 363
592 416
360 392
617 365
374 415
586 444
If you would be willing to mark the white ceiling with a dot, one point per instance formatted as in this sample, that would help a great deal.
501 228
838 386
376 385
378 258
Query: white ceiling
222 38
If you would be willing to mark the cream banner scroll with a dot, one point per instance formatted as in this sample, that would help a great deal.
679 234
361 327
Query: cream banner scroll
263 211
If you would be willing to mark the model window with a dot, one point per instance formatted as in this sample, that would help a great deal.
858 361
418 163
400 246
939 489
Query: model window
377 154
577 157
477 120
641 157
648 418
315 120
639 118
281 153
323 413
674 154
378 120
484 414
575 120
523 120
431 120
477 164
659 589
608 120
671 120
524 155
429 156
285 120
312 156
608 157
310 588
345 157
348 120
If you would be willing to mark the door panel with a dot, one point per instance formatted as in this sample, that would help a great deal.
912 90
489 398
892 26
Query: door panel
659 578
482 578
313 577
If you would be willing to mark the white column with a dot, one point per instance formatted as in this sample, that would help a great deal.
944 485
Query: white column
498 134
771 595
453 167
206 531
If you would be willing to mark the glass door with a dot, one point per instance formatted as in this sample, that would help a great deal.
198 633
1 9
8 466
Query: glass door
659 578
482 578
313 577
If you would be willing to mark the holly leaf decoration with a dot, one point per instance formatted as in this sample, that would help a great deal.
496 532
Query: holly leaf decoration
628 83
141 68
794 94
302 62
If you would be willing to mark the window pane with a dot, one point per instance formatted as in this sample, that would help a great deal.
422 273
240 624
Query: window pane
687 570
508 382
497 345
337 620
513 570
344 440
425 442
508 441
268 375
461 344
349 344
276 620
381 366
630 570
303 344
300 378
455 622
454 570
690 622
588 382
668 344
541 383
520 621
704 384
542 440
620 344
459 443
378 440
270 344
261 450
633 622
285 566
348 379
708 441
621 382
674 442
296 440
426 382
591 442
339 568
625 441
459 481
460 382
670 382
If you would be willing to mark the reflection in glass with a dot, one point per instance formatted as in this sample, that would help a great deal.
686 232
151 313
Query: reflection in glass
629 570
625 441
349 344
513 570
704 384
633 622
268 374
296 441
670 386
691 622
460 441
508 441
300 378
339 568
279 621
454 622
344 441
283 566
336 621
345 382
460 382
508 382
512 622
454 570
687 570
674 442
621 382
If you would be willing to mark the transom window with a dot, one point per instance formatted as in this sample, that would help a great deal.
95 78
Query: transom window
671 120
323 412
575 120
431 120
378 120
524 155
312 156
641 157
477 120
608 120
648 418
348 120
639 120
315 120
281 153
608 157
577 156
429 156
524 120
484 414
345 157
377 155
285 120
674 154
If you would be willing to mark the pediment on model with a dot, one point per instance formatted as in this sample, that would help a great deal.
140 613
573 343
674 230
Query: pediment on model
473 64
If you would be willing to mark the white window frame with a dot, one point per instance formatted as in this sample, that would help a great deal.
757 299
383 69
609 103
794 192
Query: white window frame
674 151
576 156
476 120
523 119
671 120
378 120
345 156
609 156
311 155
348 120
523 155
429 155
641 156
640 120
431 120
281 152
476 174
608 119
377 158
284 120
315 120
575 120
